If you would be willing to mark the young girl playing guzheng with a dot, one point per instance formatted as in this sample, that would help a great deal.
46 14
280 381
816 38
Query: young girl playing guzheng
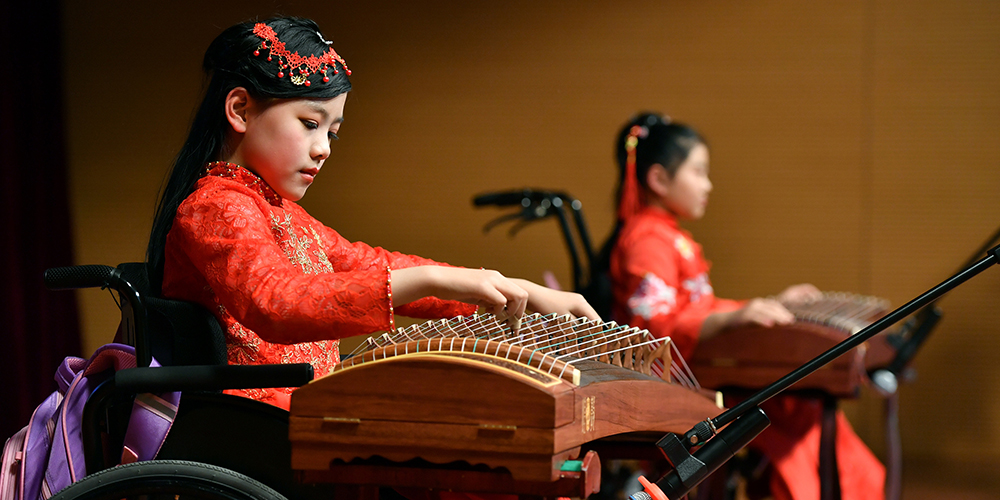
229 235
660 282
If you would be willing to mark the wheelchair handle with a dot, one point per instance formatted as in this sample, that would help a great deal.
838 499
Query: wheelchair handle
96 275
90 276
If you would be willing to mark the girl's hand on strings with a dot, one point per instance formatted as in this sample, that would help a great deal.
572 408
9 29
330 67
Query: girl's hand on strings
764 312
488 289
546 300
799 294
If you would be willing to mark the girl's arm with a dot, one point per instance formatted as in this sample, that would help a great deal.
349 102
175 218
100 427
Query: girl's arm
799 294
761 311
418 283
545 300
487 289
345 255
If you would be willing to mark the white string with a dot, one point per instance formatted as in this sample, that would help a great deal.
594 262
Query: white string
676 354
601 354
560 338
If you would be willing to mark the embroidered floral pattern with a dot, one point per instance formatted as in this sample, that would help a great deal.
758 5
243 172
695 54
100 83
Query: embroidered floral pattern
652 298
683 246
297 247
698 287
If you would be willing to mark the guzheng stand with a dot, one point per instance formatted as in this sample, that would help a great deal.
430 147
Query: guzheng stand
690 469
361 479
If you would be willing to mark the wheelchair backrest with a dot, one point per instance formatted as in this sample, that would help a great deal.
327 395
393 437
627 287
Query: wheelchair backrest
181 333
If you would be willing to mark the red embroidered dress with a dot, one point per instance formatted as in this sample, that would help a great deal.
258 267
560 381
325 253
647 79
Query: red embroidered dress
283 285
660 280
660 283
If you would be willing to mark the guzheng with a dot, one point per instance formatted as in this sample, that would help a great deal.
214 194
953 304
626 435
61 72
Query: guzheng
469 389
753 357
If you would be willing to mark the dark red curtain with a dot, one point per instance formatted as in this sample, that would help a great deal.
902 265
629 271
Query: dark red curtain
39 327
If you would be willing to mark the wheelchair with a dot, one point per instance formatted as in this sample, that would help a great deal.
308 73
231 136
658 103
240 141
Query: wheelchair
220 446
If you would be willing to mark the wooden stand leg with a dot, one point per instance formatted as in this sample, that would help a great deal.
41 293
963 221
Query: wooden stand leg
829 477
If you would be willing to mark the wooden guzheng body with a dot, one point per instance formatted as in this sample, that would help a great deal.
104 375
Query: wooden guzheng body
469 390
753 357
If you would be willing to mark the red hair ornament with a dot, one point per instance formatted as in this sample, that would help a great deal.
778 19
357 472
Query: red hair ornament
293 62
630 204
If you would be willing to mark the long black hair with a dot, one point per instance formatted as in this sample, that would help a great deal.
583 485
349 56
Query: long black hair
660 142
229 63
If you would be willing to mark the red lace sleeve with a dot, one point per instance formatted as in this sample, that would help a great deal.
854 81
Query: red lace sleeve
346 255
229 235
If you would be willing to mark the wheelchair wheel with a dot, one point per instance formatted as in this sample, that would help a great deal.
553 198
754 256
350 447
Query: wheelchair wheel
167 480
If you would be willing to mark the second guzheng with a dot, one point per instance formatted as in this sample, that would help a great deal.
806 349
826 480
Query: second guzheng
469 389
753 357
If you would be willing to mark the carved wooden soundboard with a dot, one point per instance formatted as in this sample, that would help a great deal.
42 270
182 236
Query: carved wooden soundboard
495 405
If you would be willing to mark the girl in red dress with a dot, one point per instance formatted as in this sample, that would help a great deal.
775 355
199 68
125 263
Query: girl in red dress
228 234
660 282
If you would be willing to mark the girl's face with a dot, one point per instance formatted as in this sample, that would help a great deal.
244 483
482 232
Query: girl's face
286 141
686 194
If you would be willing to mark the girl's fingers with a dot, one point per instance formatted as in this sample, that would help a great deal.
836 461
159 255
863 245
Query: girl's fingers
507 300
768 312
514 322
803 293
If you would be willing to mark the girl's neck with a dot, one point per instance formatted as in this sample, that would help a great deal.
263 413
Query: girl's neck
654 201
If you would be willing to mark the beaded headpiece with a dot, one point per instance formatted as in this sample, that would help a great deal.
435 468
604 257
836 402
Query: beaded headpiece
299 68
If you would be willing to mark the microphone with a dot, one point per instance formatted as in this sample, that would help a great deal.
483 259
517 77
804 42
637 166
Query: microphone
689 470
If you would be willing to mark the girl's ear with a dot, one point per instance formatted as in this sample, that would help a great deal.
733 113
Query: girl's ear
237 103
658 180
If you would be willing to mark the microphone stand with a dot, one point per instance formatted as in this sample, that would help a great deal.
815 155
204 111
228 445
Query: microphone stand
907 344
748 420
886 379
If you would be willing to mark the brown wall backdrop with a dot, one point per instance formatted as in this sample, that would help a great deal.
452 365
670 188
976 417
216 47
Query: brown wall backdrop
854 146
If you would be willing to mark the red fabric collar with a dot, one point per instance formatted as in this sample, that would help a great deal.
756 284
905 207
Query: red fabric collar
247 178
659 213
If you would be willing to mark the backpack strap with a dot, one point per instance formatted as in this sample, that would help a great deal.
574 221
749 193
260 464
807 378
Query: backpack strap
148 426
37 443
146 432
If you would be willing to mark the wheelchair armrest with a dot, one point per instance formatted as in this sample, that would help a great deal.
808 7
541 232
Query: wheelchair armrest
211 377
176 378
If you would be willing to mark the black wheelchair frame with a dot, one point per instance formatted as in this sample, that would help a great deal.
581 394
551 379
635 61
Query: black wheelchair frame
220 446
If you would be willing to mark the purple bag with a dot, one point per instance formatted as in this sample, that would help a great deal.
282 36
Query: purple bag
47 455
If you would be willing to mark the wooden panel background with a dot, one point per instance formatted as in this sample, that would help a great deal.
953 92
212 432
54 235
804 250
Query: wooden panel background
853 146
